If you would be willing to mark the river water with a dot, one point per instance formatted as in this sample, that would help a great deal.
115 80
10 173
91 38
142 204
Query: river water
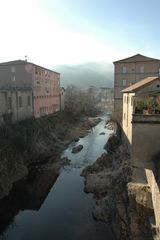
47 206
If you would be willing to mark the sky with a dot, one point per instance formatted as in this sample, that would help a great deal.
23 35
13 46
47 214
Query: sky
68 32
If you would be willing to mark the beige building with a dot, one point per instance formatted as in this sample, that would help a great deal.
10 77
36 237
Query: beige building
141 120
130 70
16 104
141 126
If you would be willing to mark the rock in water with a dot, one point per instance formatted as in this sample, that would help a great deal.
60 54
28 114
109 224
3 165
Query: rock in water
77 149
102 133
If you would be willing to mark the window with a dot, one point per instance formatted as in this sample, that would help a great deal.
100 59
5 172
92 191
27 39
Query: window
20 101
142 69
124 69
124 82
45 72
36 71
13 69
13 78
29 100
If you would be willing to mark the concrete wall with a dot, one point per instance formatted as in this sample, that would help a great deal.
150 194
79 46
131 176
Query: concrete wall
127 115
11 110
145 140
16 75
155 195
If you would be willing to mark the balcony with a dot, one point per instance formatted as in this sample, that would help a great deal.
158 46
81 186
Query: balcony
146 118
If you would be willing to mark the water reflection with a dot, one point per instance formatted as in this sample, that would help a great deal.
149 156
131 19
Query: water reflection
66 211
28 193
93 146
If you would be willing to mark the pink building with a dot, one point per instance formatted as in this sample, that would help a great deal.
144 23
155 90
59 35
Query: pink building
46 91
45 84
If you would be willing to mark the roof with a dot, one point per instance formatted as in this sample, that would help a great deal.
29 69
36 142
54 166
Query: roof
136 58
140 84
21 62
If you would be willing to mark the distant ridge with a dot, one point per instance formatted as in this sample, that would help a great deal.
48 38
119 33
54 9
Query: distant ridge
98 74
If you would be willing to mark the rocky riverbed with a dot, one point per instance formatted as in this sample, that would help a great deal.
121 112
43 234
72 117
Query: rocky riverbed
107 179
120 201
44 153
59 200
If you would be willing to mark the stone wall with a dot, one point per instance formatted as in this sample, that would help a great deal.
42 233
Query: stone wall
155 196
145 143
16 105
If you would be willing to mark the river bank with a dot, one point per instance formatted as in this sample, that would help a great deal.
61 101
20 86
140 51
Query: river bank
44 203
37 142
120 200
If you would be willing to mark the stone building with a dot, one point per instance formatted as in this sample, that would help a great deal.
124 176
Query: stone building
141 128
129 71
45 84
16 104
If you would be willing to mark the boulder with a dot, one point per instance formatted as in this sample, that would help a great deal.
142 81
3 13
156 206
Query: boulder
76 139
77 149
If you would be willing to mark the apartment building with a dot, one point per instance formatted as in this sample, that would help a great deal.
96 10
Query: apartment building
45 84
16 104
129 71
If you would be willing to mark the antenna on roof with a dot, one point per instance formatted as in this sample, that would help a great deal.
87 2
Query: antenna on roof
26 58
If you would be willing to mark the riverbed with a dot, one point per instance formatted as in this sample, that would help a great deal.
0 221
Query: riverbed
52 206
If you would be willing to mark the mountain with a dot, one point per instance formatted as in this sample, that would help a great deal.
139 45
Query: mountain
98 74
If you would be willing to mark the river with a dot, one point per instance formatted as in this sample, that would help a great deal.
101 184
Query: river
48 206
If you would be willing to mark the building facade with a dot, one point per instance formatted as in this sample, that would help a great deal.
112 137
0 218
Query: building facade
141 120
129 71
45 84
141 128
16 105
62 98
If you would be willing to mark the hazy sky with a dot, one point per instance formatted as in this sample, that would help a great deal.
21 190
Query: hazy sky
52 32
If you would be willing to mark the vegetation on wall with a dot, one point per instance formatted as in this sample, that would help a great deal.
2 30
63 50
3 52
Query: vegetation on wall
150 103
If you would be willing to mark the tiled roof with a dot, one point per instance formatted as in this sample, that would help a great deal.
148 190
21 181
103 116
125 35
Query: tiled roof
137 58
140 84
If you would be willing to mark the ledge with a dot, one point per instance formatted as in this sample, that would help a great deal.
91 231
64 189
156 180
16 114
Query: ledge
146 118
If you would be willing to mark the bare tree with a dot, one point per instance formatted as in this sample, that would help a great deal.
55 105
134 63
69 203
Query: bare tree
77 101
